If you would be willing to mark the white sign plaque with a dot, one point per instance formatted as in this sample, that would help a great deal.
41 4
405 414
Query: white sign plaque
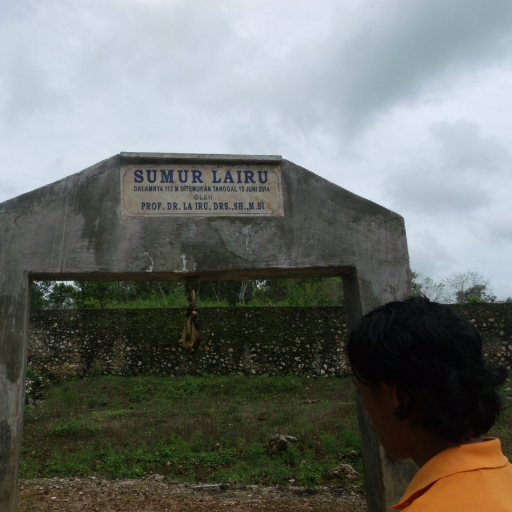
201 189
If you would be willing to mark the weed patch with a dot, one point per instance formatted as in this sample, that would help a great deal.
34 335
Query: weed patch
202 428
198 429
73 428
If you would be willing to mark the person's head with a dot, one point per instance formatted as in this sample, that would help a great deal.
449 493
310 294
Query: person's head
429 360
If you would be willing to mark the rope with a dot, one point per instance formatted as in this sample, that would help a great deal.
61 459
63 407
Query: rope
191 335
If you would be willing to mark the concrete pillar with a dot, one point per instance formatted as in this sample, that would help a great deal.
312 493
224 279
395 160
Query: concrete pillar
385 480
14 311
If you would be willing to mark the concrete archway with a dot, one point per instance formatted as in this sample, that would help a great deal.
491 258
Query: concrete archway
159 216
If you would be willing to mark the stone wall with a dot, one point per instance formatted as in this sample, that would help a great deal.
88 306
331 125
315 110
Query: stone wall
494 321
236 340
148 341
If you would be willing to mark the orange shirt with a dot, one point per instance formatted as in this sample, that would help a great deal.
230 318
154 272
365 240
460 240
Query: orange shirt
473 477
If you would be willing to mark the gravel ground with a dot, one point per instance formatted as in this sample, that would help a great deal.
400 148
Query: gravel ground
93 494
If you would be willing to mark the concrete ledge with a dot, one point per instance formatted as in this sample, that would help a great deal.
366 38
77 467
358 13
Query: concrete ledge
200 158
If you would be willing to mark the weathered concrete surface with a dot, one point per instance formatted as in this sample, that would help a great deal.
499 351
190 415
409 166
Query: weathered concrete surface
73 229
14 311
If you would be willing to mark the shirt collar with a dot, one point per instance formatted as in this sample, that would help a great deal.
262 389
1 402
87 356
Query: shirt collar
466 457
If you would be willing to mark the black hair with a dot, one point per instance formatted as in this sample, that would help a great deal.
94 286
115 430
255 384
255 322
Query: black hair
434 358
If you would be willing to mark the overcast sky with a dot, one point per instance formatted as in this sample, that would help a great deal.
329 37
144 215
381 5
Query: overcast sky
407 103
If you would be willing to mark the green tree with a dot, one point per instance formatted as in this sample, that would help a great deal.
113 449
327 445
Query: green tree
427 287
121 294
469 287
39 294
225 291
416 284
52 295
319 291
61 296
97 294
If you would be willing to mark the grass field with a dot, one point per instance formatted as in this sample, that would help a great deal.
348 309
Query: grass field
194 429
199 429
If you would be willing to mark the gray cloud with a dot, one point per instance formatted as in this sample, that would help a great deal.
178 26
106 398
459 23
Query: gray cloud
391 58
129 54
499 229
452 180
144 57
464 148
429 255
424 190
412 43
26 91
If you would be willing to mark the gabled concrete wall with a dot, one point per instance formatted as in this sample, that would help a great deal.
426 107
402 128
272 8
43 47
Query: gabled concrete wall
78 228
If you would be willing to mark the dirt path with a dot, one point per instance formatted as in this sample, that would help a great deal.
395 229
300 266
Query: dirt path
91 494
